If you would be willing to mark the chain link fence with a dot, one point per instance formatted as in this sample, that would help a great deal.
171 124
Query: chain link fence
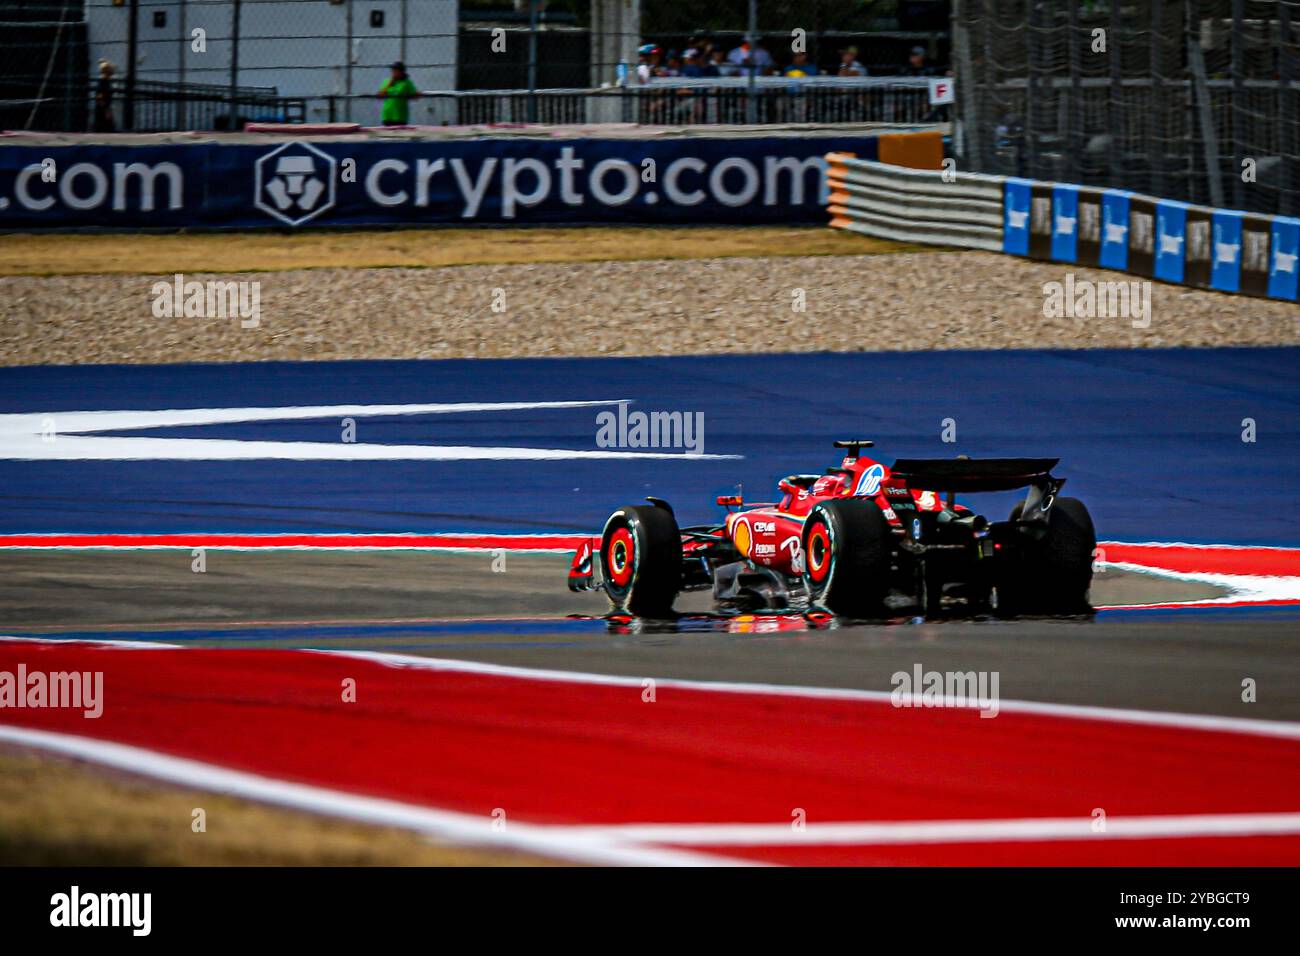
43 65
1194 100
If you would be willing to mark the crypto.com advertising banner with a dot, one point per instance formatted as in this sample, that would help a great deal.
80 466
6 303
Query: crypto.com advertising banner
344 183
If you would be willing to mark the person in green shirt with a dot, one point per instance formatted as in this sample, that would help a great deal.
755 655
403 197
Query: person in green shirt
397 93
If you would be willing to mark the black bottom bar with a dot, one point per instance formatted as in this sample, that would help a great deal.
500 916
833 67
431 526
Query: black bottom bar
440 907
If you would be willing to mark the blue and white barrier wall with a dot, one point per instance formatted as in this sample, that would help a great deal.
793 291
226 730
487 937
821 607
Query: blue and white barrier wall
1162 239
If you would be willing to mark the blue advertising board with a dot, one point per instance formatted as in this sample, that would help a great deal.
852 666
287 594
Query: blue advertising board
300 183
1017 200
1114 229
1065 223
1170 239
1225 250
1282 264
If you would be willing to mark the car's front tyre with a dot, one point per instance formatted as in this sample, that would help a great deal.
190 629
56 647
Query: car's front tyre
641 558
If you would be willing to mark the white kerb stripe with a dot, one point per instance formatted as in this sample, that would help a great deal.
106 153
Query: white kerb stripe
445 825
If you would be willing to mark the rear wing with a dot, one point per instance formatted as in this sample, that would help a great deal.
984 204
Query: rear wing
975 474
987 474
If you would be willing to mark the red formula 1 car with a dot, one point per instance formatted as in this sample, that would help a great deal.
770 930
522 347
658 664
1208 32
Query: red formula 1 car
862 540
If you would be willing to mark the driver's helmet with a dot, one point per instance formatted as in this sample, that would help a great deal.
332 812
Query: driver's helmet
828 485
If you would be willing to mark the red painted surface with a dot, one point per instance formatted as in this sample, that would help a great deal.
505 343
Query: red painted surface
549 542
579 753
1209 559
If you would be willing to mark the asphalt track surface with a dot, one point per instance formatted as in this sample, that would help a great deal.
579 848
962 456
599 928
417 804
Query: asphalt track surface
454 605
1151 440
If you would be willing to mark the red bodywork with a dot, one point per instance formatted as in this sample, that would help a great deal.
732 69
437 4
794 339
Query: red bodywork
907 542
771 534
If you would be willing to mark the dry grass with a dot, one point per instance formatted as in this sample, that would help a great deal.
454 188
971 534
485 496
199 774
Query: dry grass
75 254
57 813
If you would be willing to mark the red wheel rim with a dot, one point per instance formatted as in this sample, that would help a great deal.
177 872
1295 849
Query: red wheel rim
620 558
819 553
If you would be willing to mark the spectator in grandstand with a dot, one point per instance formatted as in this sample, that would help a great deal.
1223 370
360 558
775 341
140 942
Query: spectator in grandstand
397 93
704 44
647 62
103 121
690 107
849 65
916 65
799 66
747 60
718 59
673 65
696 67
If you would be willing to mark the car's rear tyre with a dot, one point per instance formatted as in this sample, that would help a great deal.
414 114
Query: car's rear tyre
641 558
1052 575
846 557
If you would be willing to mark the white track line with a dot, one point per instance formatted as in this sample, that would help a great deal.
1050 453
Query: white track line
107 642
1241 588
1287 730
25 436
459 828
956 831
628 844
1237 725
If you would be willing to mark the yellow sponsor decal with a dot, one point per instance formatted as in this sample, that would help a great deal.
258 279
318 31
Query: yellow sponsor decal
741 536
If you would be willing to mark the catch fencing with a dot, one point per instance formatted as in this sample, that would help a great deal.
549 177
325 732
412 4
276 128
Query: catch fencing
1193 99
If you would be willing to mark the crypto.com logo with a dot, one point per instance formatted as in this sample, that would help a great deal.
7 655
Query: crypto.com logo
294 183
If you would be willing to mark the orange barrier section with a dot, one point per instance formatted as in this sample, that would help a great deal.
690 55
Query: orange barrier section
916 150
835 170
